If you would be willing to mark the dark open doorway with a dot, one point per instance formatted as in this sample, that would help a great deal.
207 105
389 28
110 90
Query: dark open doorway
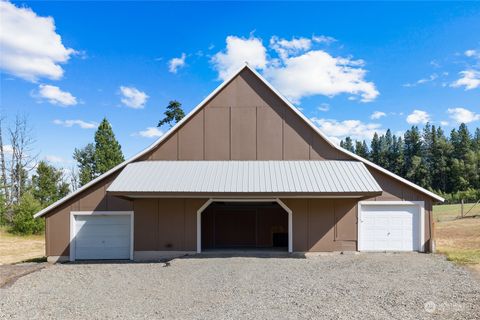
230 225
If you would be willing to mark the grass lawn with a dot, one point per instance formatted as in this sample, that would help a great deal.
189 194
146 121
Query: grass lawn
15 248
458 239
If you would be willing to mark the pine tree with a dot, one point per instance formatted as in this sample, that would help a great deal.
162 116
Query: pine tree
414 169
375 149
108 152
396 155
347 144
476 140
387 145
85 158
48 185
361 149
173 114
461 141
439 160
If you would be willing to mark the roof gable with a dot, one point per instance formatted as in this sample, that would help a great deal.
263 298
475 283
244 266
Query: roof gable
211 98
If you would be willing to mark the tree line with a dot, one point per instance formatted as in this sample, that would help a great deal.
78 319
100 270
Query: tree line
448 165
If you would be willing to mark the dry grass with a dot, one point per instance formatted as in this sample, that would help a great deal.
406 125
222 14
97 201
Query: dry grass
458 239
15 248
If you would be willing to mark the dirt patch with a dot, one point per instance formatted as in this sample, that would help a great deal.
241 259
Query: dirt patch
10 273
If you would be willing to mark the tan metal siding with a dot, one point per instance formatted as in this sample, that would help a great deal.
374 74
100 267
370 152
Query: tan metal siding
145 225
171 224
269 129
244 133
346 219
191 139
217 133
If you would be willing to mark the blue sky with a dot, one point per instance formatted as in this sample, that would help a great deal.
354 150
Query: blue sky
353 68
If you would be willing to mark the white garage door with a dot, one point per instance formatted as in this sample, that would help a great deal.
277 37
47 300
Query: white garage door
389 227
102 237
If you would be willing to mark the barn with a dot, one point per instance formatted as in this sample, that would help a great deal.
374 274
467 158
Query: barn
244 170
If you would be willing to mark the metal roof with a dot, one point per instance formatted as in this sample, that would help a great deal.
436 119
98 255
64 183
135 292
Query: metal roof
281 177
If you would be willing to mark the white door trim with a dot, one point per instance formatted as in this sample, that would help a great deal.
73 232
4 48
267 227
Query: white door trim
91 213
421 216
209 201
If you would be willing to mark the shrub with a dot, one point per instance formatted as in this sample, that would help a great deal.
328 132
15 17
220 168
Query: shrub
23 221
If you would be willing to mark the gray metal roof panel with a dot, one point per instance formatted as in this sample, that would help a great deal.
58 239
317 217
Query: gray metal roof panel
245 177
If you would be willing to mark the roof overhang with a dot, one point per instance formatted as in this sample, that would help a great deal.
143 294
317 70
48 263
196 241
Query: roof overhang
259 179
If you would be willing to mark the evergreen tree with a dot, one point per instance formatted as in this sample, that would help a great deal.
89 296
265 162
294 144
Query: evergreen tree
173 114
108 152
439 160
23 221
387 146
48 185
361 149
461 141
85 158
414 169
375 149
476 140
396 155
347 144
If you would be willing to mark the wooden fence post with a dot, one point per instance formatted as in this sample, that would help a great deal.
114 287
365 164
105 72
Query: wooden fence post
461 212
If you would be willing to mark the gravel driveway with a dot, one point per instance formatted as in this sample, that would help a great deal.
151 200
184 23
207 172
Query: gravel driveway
374 286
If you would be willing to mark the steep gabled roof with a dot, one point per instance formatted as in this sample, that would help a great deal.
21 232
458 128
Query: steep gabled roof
201 105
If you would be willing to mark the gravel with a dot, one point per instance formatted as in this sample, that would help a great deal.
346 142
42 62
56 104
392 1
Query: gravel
373 286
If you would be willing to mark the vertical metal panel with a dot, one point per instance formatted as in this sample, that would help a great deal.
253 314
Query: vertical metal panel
191 140
217 133
243 133
296 138
269 134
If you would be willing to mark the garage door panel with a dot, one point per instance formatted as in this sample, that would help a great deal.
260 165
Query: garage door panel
385 227
102 236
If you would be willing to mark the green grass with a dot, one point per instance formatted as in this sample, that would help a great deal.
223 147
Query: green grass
448 212
462 256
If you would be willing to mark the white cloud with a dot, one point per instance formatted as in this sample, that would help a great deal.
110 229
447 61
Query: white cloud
300 70
462 115
285 48
31 48
323 39
444 123
133 98
317 72
55 95
70 123
377 115
56 159
470 79
417 117
472 53
355 129
324 107
150 132
239 51
430 78
176 63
